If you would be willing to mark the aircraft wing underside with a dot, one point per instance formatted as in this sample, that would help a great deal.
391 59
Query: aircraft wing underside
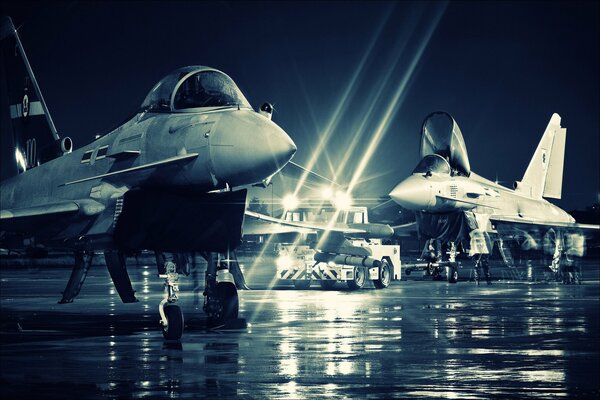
524 223
406 230
9 215
331 239
52 222
257 224
536 235
22 219
283 226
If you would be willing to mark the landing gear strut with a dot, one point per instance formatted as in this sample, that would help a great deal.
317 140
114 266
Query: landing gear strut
83 261
452 266
221 302
171 316
482 266
432 254
555 265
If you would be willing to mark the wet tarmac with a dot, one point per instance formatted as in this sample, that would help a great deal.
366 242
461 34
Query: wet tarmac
416 339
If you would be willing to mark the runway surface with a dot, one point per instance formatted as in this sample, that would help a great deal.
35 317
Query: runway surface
416 339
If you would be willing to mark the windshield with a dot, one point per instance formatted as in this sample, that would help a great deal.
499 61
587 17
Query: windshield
209 89
432 163
326 215
441 135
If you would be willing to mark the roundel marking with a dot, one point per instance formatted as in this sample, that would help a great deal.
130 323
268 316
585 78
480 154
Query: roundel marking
544 159
25 105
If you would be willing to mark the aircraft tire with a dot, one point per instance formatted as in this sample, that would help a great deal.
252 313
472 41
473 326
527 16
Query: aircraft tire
452 274
228 297
327 285
175 317
385 276
302 284
360 277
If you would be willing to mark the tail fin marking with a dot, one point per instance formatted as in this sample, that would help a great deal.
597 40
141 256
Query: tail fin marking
34 135
543 177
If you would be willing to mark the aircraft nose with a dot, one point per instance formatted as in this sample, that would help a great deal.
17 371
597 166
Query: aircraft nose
413 193
280 149
249 149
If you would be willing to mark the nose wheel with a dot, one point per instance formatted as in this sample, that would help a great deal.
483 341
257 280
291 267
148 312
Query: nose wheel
173 328
171 316
452 266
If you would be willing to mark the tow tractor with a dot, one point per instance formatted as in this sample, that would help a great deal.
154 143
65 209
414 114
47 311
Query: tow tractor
353 262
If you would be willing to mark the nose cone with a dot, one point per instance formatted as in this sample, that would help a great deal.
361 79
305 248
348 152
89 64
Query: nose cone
413 193
249 148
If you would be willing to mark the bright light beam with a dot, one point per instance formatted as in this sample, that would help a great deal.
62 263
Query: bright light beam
342 105
333 121
383 84
379 132
396 101
290 202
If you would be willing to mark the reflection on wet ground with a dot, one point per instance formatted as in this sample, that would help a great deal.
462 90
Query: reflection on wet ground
413 340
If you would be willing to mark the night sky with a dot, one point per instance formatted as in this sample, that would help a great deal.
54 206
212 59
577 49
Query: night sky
337 69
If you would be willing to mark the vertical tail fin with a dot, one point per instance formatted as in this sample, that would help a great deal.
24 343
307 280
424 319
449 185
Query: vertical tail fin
34 135
543 177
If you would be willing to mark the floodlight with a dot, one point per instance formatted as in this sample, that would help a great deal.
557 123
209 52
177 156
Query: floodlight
289 202
342 200
327 193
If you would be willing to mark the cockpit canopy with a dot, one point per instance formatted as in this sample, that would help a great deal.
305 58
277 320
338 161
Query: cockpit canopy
431 164
441 135
194 87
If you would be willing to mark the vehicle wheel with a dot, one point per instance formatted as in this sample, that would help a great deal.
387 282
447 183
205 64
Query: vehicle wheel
360 276
385 276
327 285
302 284
228 297
452 274
407 271
174 329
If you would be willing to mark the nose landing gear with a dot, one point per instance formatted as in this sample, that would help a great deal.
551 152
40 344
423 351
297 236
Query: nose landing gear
452 266
221 303
171 316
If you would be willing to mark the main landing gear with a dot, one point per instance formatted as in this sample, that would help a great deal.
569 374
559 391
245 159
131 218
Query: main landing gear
83 261
435 267
482 269
221 302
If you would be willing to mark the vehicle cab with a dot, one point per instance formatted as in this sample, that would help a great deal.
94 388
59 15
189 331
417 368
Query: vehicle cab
325 215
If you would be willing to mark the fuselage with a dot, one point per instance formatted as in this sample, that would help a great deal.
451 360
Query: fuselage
195 133
234 147
436 192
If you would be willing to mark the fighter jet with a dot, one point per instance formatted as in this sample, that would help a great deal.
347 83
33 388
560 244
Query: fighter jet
163 181
454 204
